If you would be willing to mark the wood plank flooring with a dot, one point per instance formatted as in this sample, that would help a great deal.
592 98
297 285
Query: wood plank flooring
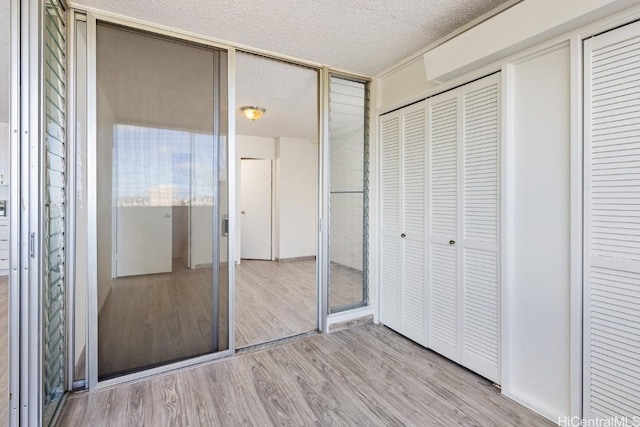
4 350
274 300
148 320
363 376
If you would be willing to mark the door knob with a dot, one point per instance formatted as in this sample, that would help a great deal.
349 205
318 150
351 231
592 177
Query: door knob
452 242
242 212
403 235
167 215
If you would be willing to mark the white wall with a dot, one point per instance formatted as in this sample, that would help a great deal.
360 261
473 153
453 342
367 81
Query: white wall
521 26
297 183
539 235
408 81
295 192
179 231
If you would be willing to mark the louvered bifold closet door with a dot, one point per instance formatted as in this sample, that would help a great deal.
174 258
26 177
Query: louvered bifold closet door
444 308
413 232
612 224
390 219
479 219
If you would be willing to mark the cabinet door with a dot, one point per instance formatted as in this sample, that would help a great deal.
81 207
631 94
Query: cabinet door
611 324
413 286
390 219
444 308
478 244
5 159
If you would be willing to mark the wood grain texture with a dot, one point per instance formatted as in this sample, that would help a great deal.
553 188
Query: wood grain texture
367 375
274 300
335 327
4 350
151 319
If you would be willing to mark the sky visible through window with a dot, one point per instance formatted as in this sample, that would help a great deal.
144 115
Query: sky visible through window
162 167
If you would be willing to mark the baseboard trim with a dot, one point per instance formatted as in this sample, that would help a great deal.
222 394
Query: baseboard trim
548 414
349 319
298 258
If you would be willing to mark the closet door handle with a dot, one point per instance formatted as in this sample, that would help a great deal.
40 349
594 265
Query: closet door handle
452 242
403 235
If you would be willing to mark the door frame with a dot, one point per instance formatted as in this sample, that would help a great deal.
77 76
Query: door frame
91 374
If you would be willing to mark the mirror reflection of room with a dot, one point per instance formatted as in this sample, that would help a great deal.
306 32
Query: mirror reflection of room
277 166
161 187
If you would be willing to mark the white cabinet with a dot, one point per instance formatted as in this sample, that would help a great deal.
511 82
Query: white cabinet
440 224
5 160
403 221
612 225
4 243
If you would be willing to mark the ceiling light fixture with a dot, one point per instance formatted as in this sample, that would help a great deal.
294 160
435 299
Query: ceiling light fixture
253 113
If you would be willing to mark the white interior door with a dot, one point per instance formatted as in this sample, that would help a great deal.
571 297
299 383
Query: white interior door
414 160
479 222
403 243
390 220
255 209
143 240
611 373
444 295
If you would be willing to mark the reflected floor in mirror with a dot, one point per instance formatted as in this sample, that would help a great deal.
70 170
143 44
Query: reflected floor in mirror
153 319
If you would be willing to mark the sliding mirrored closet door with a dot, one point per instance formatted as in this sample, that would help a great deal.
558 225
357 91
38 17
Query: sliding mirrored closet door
161 201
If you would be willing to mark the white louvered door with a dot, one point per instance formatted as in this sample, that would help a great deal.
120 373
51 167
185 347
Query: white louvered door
444 299
479 219
390 219
464 291
414 312
440 199
403 216
611 368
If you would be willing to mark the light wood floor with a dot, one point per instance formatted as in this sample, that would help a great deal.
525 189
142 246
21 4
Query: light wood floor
366 376
148 320
4 350
151 319
274 300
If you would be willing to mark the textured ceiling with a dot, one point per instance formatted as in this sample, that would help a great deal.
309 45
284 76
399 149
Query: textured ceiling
288 92
361 36
132 68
